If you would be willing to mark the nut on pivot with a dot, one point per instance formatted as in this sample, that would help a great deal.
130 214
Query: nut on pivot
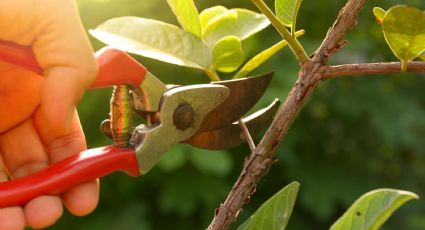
184 116
105 128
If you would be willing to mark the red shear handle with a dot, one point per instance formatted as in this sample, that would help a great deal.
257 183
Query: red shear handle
115 67
19 55
59 177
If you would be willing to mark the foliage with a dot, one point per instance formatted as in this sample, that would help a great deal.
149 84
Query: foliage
210 41
379 14
228 54
371 210
187 15
155 39
260 58
404 31
287 12
275 212
353 135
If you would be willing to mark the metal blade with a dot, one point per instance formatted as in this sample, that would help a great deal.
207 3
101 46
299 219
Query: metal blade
232 135
244 94
186 103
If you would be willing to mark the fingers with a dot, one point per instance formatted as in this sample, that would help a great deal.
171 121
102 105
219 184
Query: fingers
82 199
43 211
17 21
19 95
61 47
24 154
22 150
3 173
67 58
10 218
58 98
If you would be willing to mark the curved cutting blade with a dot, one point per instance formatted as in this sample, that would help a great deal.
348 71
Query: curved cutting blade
151 142
244 94
232 135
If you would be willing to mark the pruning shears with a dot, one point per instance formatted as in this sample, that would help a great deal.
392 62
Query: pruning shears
203 115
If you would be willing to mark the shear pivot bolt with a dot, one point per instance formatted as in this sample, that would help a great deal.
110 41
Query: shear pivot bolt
184 116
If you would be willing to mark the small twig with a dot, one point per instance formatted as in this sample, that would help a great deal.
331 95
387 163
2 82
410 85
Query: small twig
247 135
371 68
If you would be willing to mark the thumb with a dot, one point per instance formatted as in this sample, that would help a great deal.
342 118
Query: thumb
64 52
60 92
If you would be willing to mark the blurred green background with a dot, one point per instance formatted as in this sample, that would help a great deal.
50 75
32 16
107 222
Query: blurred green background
354 134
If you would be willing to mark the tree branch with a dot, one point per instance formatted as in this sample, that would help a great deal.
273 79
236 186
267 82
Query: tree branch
311 73
371 68
347 19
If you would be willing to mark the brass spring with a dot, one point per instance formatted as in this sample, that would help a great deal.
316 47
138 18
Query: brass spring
121 116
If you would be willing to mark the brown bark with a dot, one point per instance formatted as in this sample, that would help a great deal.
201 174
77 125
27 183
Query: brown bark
371 68
311 73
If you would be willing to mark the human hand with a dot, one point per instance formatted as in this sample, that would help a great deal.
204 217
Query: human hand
38 123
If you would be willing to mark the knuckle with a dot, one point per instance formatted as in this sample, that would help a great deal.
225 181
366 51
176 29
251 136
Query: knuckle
86 71
66 145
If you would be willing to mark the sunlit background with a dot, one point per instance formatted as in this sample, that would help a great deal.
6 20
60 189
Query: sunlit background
354 134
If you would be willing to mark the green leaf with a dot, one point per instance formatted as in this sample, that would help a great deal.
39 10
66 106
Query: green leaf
372 209
274 213
287 12
237 22
422 56
262 57
187 15
228 54
206 15
379 14
404 31
154 39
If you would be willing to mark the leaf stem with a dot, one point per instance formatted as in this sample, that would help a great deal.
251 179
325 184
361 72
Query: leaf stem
404 66
212 74
292 41
262 57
